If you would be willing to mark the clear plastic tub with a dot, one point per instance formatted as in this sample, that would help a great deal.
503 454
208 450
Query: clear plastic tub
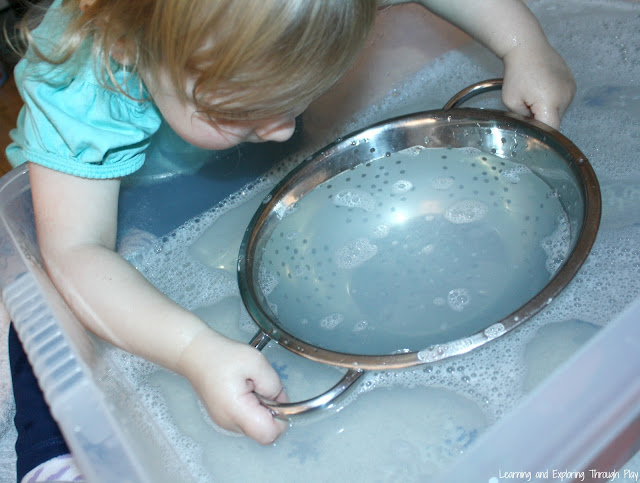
580 416
584 416
99 416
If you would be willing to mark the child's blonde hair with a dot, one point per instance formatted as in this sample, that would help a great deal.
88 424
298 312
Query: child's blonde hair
245 59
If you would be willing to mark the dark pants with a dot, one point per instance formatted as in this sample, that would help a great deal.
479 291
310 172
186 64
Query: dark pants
39 438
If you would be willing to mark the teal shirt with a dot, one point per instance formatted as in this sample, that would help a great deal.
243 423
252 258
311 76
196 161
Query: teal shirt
71 123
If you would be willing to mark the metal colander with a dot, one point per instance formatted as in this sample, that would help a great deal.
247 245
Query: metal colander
417 239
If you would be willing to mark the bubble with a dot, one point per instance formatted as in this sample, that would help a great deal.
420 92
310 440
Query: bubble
441 351
442 183
381 231
458 299
494 331
401 186
513 174
466 211
354 199
360 326
556 245
355 253
267 280
330 322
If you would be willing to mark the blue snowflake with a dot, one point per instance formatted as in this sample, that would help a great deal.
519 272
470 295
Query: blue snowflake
463 438
304 450
280 368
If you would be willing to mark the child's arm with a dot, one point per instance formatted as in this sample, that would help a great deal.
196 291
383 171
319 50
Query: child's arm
76 226
537 81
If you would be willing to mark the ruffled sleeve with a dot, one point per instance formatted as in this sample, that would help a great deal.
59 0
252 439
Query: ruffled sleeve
73 124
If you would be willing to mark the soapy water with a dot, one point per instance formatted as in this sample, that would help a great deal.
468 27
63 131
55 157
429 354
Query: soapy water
355 199
458 299
556 245
401 186
466 211
330 322
513 174
482 245
443 183
468 392
355 253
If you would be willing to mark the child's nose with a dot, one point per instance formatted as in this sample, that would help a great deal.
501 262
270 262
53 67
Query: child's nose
278 130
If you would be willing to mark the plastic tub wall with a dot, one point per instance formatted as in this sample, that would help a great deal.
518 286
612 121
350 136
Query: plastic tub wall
98 419
584 416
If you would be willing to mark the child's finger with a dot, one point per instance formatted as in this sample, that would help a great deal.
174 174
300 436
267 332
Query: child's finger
538 110
551 117
257 422
520 108
266 382
514 101
548 114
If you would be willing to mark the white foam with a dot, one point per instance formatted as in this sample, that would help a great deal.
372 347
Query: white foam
513 174
355 199
381 231
556 245
267 281
136 242
466 211
494 331
331 321
355 253
360 326
458 299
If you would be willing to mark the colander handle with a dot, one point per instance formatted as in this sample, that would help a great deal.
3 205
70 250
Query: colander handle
323 401
473 90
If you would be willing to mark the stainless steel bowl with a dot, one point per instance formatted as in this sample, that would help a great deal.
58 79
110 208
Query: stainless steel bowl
559 170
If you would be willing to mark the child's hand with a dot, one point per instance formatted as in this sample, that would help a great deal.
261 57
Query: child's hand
538 83
536 80
226 374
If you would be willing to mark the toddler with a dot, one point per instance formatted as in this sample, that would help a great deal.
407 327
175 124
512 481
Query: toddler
97 79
